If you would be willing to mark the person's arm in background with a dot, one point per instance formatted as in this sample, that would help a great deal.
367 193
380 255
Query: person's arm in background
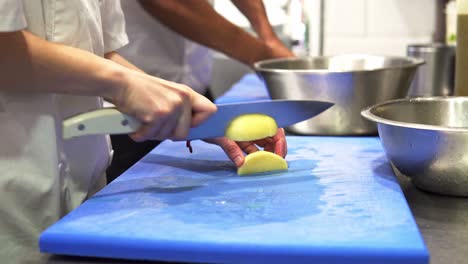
255 12
31 64
197 20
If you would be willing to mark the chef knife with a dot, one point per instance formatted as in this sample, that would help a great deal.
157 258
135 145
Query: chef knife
111 121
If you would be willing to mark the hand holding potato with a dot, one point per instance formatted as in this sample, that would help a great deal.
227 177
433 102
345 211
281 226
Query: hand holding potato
235 150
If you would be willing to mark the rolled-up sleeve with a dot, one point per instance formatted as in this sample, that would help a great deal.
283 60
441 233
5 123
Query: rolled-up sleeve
113 23
12 16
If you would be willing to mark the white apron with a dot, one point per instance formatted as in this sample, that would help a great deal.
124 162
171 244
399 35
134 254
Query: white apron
43 177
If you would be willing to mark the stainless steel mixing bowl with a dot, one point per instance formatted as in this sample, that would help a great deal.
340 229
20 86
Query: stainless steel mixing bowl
426 139
352 82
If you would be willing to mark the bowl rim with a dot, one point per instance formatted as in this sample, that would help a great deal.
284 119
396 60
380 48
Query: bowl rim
412 62
368 114
430 47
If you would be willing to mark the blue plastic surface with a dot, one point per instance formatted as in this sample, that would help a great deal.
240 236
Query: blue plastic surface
338 203
249 88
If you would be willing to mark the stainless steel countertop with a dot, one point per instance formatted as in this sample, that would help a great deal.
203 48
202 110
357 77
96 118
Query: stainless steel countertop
442 220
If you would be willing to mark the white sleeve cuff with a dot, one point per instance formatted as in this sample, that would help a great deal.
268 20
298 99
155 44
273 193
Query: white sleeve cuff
113 22
115 42
12 14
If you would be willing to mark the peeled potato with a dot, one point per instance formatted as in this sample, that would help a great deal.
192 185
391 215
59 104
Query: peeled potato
262 161
250 127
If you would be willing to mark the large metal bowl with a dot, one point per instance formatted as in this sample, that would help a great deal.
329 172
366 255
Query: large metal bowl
426 139
351 82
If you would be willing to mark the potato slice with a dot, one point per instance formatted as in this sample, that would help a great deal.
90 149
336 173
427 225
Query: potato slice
250 127
262 161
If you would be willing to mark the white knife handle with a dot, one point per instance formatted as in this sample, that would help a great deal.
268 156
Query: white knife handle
102 121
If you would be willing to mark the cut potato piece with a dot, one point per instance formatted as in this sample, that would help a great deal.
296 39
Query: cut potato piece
250 127
262 161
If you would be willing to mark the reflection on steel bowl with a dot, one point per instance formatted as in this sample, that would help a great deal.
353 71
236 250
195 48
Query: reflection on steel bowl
426 139
351 82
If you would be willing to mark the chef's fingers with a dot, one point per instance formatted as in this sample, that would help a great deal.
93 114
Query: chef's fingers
276 144
270 148
202 109
281 145
247 147
166 129
230 147
182 127
264 142
174 116
149 130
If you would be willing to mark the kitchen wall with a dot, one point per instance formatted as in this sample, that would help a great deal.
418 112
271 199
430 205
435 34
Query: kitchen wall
351 26
377 26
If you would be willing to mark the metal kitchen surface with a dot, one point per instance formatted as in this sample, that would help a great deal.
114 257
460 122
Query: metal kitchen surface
339 202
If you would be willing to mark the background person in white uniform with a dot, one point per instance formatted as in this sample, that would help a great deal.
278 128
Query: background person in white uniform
57 59
165 38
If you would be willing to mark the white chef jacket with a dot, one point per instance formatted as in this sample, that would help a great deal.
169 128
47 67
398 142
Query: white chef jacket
160 52
42 177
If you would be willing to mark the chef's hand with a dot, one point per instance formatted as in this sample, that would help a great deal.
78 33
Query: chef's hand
277 49
235 150
272 49
166 109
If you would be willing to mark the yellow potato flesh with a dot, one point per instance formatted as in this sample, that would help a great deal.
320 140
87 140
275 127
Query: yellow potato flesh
262 161
250 127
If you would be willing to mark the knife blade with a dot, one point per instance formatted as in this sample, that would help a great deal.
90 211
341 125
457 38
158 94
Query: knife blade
111 121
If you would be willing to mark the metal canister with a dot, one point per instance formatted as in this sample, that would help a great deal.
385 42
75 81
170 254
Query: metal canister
437 76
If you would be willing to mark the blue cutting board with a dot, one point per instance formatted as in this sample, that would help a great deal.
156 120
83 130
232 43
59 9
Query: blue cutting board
339 202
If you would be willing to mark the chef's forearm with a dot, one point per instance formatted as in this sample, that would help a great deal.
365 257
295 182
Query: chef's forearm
254 11
198 21
115 57
31 64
